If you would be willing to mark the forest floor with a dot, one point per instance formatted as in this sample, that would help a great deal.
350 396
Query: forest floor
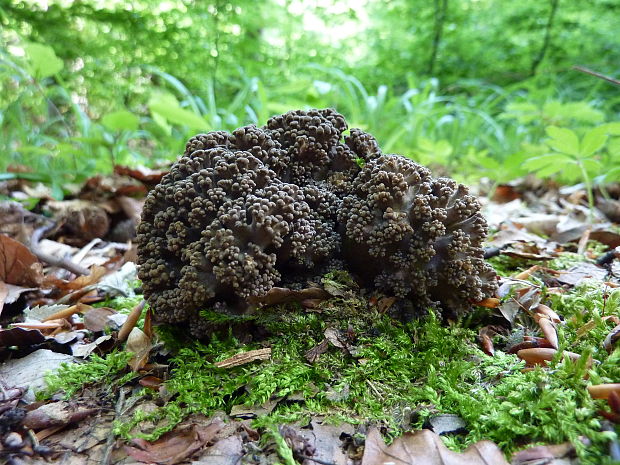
529 377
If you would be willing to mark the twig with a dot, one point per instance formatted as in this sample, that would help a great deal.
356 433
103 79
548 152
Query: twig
583 69
131 321
583 241
105 460
50 259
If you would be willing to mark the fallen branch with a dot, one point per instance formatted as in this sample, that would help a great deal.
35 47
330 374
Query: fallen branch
65 263
598 75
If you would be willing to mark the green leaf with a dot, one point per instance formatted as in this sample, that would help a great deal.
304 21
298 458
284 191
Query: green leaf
537 163
489 163
563 140
168 107
121 120
593 141
43 60
592 165
612 129
160 120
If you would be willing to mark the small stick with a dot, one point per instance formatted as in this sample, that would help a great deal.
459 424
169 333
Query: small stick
527 273
131 321
583 69
583 241
50 259
109 444
64 313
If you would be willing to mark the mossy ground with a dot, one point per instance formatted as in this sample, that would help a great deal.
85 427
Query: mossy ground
395 374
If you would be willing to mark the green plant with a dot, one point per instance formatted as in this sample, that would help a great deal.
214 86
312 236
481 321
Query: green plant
579 158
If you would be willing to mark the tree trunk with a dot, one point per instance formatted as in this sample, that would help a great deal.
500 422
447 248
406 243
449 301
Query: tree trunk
547 40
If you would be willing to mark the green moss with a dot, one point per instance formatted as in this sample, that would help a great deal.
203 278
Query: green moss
423 365
70 378
388 368
506 266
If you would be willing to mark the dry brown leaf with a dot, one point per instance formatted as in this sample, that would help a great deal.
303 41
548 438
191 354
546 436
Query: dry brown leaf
56 414
549 331
602 391
611 340
489 302
540 356
426 448
245 357
485 335
151 382
581 271
140 345
98 319
141 173
544 455
313 354
545 310
17 264
20 337
175 446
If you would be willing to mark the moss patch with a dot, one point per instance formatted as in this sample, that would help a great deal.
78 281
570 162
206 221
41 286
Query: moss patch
397 374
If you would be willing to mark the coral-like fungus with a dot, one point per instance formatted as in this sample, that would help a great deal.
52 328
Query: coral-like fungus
240 213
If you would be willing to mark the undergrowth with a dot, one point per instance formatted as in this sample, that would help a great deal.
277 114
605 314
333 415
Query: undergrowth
388 367
71 378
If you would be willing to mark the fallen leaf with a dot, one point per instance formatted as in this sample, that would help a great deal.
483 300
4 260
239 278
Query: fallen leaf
336 337
484 335
226 451
82 220
612 339
254 411
490 302
540 356
20 337
30 371
559 454
602 391
175 446
578 273
385 303
41 312
313 354
151 382
141 173
140 345
56 414
84 350
17 264
549 331
545 310
98 319
426 448
511 233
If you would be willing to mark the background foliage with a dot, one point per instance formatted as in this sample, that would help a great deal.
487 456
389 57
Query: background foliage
469 85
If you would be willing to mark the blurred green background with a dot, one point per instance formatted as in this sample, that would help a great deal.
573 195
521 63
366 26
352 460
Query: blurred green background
471 87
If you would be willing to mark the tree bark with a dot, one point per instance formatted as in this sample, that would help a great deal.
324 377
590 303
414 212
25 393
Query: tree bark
441 8
547 40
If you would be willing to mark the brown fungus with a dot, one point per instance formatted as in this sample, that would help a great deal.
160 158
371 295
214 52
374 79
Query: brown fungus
241 213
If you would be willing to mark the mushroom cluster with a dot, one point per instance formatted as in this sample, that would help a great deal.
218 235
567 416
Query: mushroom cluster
239 213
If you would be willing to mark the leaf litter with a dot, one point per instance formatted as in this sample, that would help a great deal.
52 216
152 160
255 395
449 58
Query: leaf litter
546 252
